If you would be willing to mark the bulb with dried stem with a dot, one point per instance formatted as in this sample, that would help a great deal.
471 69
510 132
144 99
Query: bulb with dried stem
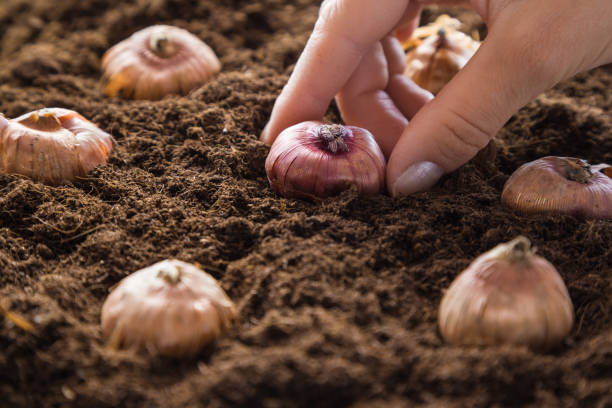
52 145
314 160
171 308
158 61
508 295
436 52
564 185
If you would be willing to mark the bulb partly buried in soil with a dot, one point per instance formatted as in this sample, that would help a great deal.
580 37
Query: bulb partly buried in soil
507 295
560 185
436 52
171 308
52 145
315 160
158 61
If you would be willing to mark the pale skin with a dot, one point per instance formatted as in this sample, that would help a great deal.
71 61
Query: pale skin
354 56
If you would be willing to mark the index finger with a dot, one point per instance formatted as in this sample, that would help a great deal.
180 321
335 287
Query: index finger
344 32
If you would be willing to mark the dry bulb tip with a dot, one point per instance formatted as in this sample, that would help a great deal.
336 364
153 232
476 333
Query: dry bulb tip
578 170
171 275
333 137
518 250
161 45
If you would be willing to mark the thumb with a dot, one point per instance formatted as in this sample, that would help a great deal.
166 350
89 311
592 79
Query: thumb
466 114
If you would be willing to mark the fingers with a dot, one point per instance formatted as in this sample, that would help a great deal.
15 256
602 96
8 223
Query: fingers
407 96
461 120
363 101
530 47
409 21
377 98
344 32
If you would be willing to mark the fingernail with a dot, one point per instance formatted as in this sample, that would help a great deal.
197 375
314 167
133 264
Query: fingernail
418 177
264 133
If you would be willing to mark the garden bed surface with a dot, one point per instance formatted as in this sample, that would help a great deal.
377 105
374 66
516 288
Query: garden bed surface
338 299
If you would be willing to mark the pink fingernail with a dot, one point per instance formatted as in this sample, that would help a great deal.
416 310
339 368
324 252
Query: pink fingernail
418 177
264 134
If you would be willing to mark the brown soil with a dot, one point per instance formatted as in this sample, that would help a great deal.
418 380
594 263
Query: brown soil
337 299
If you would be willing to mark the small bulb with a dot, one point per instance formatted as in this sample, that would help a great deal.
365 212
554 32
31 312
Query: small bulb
315 160
52 145
560 185
507 295
436 52
171 308
158 61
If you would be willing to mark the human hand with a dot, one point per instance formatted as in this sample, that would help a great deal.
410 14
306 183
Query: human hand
353 55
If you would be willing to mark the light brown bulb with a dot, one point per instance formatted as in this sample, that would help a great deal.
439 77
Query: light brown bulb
158 61
438 51
52 145
560 185
316 160
171 308
507 295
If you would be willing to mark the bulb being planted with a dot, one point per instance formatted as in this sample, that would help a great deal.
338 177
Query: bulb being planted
316 160
158 61
171 308
508 295
52 145
560 185
436 52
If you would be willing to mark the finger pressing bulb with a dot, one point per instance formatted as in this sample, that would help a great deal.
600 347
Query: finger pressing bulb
157 61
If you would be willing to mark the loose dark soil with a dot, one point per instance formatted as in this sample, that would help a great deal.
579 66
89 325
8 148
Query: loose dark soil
337 299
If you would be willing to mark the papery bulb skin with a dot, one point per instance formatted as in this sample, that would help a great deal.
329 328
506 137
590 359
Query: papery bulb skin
171 308
52 145
602 168
157 61
507 295
314 160
564 185
437 52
